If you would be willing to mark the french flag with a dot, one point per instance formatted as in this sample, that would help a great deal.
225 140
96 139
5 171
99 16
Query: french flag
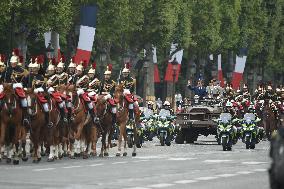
178 56
220 72
47 40
87 33
239 70
156 70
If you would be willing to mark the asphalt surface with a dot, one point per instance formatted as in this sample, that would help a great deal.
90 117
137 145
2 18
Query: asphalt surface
202 165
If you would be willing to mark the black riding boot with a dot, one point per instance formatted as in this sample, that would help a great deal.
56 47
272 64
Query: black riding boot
47 120
63 115
113 120
93 116
131 114
70 114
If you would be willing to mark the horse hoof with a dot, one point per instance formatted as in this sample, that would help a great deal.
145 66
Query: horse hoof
117 154
35 161
134 154
42 154
106 154
72 157
125 154
38 159
50 159
8 160
85 156
16 162
25 158
65 154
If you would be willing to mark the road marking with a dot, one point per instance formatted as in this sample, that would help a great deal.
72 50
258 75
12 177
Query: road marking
162 185
260 170
185 181
244 172
253 163
120 162
70 167
138 188
206 178
226 175
94 165
180 159
46 169
142 160
149 157
217 161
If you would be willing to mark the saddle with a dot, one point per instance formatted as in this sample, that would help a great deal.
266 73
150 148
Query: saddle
57 97
41 98
2 95
20 92
130 98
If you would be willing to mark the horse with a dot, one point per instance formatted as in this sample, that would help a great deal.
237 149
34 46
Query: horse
269 119
83 132
12 130
122 120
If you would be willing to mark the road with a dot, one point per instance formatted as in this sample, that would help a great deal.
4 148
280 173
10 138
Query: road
202 165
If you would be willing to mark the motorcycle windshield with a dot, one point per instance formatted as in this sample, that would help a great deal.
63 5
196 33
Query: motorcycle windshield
148 113
164 113
249 117
225 117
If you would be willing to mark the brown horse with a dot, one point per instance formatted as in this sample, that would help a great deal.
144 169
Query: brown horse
269 119
12 130
83 133
122 120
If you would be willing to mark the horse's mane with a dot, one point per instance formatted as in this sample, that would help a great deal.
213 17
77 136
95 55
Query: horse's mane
8 88
119 88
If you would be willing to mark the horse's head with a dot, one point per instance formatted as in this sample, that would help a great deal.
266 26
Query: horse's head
118 94
9 98
101 105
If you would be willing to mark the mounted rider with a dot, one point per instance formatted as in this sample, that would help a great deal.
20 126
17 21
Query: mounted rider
61 75
2 68
71 71
15 75
82 86
36 82
52 85
129 88
94 84
108 89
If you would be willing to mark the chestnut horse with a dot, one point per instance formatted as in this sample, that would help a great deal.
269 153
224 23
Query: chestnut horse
12 130
269 119
122 120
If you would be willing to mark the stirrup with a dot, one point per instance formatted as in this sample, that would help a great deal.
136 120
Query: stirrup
50 125
26 122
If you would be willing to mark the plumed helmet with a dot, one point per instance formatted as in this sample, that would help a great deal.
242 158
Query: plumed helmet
108 70
91 71
167 103
14 59
72 63
126 68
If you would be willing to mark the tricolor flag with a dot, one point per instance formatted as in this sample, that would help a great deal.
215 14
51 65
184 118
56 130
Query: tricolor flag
87 33
178 56
156 69
239 70
47 40
220 72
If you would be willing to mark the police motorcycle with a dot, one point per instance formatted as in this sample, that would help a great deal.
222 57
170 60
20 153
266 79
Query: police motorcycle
250 133
142 126
164 127
148 121
226 132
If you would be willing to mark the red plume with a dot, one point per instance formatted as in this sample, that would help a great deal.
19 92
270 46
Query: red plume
73 59
127 65
110 67
21 59
40 59
16 52
63 58
85 64
94 65
54 62
33 58
3 57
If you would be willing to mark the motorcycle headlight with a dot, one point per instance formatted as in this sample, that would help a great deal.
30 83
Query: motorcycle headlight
229 128
251 128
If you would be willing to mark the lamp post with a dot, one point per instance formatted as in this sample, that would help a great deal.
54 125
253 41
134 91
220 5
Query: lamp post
145 69
175 67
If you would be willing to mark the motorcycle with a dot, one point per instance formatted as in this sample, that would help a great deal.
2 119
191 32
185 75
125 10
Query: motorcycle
148 120
250 131
130 134
164 128
226 133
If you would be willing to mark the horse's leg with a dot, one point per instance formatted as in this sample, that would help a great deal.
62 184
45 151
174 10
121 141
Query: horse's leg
124 134
51 153
56 151
103 144
135 140
119 141
16 154
9 151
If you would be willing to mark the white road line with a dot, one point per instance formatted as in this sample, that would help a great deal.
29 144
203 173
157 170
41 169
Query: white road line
244 172
206 178
217 161
180 159
149 157
260 170
185 181
253 163
70 167
120 162
46 169
138 188
226 175
94 165
162 185
143 160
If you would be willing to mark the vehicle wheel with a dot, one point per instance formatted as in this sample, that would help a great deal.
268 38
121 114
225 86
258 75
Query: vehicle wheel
190 137
130 141
162 139
229 148
274 184
224 147
252 146
180 138
247 145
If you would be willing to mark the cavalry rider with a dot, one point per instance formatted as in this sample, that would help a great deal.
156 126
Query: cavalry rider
15 74
94 84
36 81
82 86
61 75
52 84
245 92
71 71
129 87
107 89
2 68
167 106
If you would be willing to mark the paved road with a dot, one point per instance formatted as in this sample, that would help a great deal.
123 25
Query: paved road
202 165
